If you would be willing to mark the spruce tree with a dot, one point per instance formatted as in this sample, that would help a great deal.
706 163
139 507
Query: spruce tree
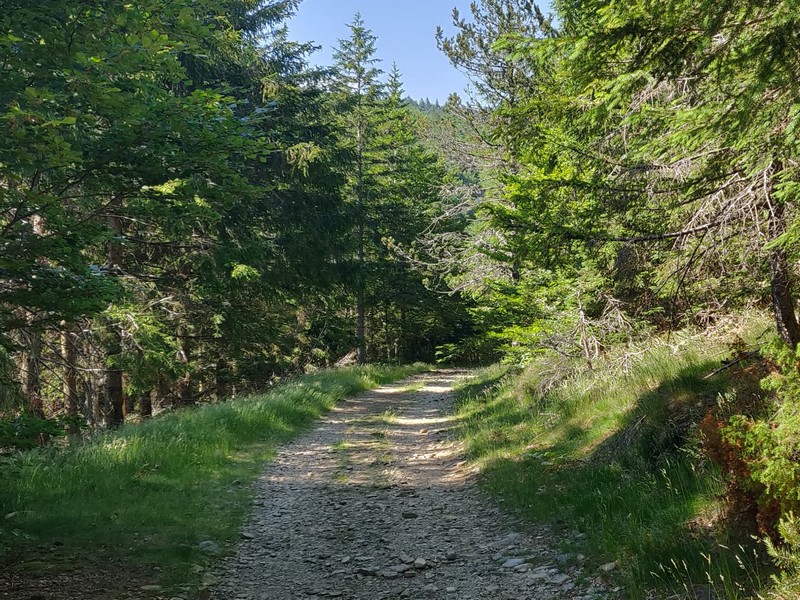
357 78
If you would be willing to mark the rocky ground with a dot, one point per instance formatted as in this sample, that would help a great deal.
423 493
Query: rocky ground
377 502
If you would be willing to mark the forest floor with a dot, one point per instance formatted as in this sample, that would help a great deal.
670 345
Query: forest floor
377 502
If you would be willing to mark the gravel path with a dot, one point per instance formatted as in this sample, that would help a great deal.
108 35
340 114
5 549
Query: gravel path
376 502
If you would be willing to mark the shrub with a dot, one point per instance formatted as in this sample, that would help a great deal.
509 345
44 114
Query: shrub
24 432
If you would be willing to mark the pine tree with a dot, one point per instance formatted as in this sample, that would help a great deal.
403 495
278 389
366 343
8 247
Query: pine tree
357 79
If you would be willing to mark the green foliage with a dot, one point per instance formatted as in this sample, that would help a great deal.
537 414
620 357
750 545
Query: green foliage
25 432
620 158
787 556
477 349
646 159
766 442
103 122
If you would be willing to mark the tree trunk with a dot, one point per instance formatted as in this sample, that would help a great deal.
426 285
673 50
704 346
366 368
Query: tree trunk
129 401
185 396
362 352
386 332
113 384
362 346
402 339
222 390
160 393
30 360
146 404
30 373
116 415
69 356
97 398
780 280
185 392
114 387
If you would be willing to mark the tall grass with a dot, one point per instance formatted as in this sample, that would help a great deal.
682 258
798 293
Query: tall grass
614 453
149 493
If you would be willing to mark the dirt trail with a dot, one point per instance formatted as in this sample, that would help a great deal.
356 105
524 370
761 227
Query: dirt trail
376 502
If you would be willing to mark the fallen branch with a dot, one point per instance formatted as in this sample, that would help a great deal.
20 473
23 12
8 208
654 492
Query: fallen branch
733 363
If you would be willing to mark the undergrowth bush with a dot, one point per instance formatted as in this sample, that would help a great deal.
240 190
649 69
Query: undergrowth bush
723 430
760 451
25 432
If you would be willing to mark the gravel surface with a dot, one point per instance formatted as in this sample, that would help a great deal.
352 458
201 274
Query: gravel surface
377 502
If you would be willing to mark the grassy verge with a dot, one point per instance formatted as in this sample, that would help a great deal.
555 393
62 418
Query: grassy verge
149 494
616 455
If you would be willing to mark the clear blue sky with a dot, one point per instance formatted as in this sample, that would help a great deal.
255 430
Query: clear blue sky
405 30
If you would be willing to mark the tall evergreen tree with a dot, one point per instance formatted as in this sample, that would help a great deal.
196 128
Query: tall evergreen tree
357 77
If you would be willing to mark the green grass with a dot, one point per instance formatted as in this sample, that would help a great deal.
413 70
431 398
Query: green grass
387 417
412 387
148 494
614 454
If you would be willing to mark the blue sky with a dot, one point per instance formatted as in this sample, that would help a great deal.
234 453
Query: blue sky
405 30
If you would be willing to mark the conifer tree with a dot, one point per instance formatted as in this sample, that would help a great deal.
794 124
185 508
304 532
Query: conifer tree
357 77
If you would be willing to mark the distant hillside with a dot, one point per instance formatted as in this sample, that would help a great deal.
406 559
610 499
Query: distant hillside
426 106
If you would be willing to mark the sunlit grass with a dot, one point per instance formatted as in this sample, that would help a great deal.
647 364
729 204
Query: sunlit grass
614 454
415 386
387 417
150 493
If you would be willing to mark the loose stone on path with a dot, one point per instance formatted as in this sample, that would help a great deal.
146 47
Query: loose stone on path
376 503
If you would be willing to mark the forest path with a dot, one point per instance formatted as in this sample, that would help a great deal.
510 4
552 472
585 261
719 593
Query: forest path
376 502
